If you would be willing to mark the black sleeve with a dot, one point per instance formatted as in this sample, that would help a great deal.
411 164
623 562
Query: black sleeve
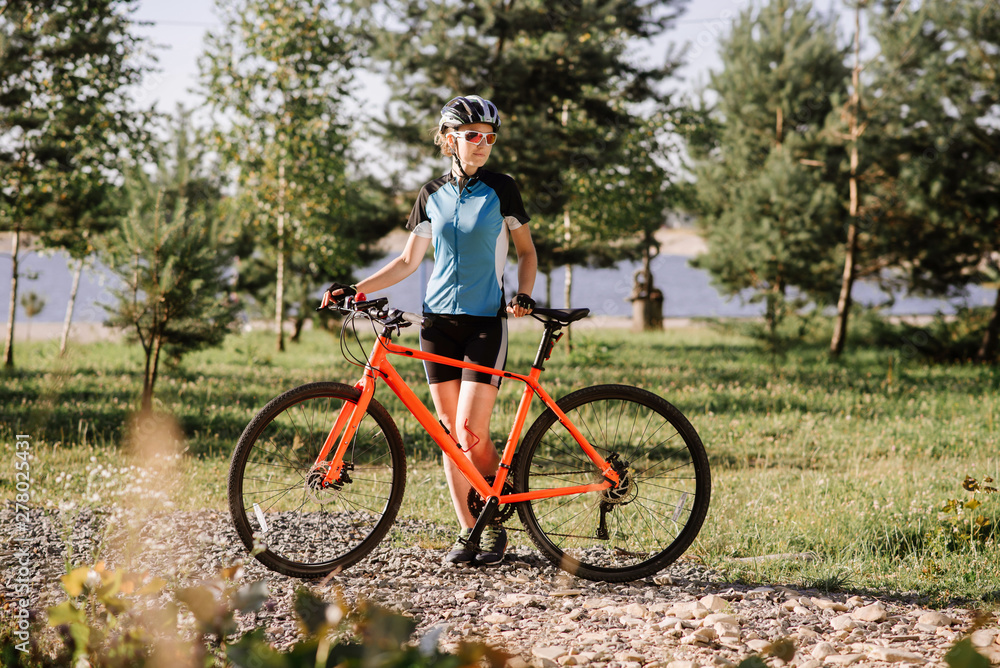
511 204
419 212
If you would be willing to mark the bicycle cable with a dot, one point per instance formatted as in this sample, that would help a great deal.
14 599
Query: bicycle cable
345 349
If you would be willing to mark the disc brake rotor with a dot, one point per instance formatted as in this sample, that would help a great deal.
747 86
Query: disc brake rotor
315 486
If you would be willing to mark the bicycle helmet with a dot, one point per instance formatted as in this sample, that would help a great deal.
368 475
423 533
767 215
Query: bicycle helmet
469 109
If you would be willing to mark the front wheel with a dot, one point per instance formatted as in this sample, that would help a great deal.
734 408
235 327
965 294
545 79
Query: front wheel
277 496
649 518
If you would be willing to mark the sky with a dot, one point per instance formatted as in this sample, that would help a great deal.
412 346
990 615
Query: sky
180 25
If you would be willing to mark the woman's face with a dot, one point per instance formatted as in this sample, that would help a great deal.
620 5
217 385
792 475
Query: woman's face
472 155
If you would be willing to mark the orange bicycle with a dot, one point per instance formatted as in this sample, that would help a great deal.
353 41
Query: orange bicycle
611 482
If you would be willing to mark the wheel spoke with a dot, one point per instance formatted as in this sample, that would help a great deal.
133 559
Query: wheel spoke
653 513
313 531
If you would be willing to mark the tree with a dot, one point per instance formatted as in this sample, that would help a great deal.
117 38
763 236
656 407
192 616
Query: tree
562 75
172 260
767 177
855 128
65 121
632 196
918 132
277 76
938 156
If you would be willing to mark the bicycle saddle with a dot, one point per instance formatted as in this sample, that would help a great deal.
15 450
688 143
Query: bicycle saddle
561 315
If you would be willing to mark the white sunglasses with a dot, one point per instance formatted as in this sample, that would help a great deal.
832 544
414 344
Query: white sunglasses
473 137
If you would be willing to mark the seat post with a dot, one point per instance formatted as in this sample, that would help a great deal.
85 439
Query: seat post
545 346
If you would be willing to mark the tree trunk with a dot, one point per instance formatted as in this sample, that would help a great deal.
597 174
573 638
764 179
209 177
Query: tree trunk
279 299
147 392
8 352
775 311
70 307
568 282
568 238
300 316
989 343
149 382
851 247
846 286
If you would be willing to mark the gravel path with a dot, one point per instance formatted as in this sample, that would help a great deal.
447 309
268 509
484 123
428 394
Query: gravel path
686 616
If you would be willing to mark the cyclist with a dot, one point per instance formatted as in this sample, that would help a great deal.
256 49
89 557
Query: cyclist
467 215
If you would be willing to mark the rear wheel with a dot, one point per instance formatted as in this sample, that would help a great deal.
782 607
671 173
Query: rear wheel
649 518
277 496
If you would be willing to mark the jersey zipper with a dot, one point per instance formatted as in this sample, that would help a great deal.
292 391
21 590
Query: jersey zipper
458 211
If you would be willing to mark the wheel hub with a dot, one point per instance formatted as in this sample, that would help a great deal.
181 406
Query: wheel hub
621 494
316 480
626 490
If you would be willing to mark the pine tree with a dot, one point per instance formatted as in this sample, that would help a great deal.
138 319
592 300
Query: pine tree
767 178
938 196
66 122
171 256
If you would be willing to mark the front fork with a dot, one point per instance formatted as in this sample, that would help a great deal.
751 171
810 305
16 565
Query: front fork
345 428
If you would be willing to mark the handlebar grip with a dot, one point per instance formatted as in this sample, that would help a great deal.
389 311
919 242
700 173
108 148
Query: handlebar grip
416 319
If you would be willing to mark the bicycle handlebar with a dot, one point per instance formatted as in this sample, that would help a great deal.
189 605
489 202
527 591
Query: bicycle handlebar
375 310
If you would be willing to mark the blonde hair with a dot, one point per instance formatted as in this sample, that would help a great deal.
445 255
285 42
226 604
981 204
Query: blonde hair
441 141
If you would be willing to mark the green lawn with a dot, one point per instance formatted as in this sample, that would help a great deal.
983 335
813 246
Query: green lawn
850 463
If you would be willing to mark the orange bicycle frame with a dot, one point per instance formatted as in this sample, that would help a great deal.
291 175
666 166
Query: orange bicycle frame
379 366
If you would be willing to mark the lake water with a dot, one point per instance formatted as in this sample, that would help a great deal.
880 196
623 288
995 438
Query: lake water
688 291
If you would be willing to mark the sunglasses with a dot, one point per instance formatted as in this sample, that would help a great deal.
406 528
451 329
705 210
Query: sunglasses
477 137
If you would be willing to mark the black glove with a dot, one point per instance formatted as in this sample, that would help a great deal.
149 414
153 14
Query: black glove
522 300
347 291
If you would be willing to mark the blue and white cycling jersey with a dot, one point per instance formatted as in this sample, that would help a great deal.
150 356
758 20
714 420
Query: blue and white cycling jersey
468 229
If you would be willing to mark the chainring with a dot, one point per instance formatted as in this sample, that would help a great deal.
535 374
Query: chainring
504 512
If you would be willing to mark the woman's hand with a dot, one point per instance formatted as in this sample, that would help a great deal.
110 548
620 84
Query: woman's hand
521 305
338 292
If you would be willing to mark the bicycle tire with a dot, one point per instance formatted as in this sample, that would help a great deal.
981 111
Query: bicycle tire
647 521
310 532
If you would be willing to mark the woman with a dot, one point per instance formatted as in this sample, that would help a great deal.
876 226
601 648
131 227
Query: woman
467 214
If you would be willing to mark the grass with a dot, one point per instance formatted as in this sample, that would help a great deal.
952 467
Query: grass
850 462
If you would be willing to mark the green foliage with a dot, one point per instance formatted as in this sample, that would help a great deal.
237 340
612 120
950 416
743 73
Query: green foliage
768 186
934 206
963 523
106 622
280 76
96 622
963 655
928 218
945 338
67 122
32 304
65 116
172 261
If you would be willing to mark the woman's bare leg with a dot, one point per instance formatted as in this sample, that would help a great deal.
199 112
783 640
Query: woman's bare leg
466 408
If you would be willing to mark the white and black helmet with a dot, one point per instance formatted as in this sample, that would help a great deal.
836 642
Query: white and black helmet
467 110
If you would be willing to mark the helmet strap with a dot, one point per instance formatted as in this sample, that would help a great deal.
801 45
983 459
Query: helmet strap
457 162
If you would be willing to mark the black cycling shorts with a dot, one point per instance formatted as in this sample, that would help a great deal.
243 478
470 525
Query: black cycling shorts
475 339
